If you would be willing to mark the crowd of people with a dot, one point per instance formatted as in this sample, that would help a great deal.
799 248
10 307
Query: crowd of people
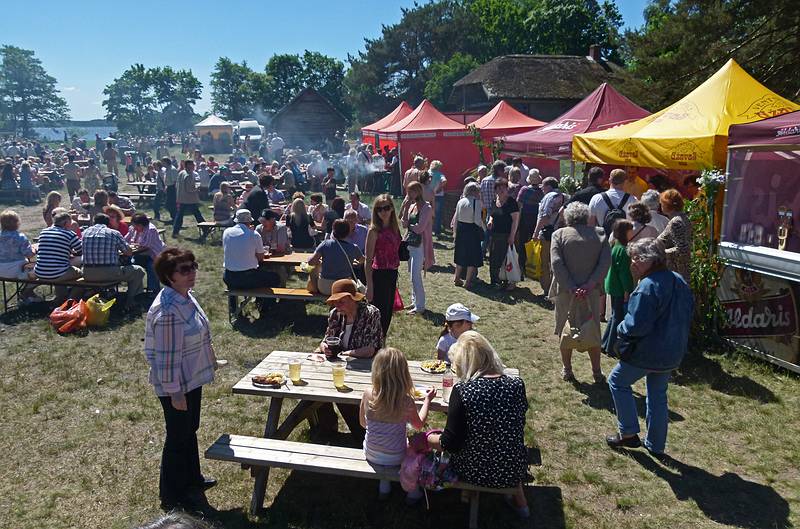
603 241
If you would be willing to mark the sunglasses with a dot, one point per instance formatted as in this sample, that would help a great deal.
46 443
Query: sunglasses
387 207
188 268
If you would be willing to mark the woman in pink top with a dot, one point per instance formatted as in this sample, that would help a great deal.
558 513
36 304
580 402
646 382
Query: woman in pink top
383 258
417 216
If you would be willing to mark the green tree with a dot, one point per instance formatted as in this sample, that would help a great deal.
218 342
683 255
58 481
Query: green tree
503 27
27 92
155 100
443 75
683 42
234 89
288 74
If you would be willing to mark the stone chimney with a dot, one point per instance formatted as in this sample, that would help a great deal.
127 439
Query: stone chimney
594 52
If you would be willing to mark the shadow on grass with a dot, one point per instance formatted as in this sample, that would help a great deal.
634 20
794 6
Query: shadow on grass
699 369
293 506
598 396
513 297
442 269
727 499
437 318
278 317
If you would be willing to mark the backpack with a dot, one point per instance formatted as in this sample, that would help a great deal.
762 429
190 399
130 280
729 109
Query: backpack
614 213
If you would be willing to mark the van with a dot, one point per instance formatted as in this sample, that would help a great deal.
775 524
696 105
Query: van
250 127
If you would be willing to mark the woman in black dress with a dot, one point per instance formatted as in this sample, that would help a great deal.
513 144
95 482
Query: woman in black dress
503 222
468 228
486 421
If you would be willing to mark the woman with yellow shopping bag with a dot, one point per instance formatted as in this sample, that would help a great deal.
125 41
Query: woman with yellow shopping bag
580 259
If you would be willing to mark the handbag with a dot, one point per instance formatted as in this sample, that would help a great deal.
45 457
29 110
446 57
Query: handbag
413 239
360 287
402 252
584 336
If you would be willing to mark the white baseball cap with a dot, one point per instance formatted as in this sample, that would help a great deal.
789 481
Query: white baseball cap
243 216
458 312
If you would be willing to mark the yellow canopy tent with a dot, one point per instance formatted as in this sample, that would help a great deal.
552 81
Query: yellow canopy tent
690 134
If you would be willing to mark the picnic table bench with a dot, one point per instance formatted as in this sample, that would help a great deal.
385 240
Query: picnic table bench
139 198
9 295
142 187
283 293
316 388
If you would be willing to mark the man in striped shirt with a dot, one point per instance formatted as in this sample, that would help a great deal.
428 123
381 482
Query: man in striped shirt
57 245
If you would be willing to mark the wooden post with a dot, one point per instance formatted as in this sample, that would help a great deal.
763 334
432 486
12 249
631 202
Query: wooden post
474 500
260 486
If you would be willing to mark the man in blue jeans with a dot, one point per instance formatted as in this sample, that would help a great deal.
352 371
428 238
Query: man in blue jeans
187 195
652 340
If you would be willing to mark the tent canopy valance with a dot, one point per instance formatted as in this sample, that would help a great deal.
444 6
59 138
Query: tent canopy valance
690 134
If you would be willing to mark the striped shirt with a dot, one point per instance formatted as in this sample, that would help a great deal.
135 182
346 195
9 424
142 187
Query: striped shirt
487 191
56 246
102 245
177 344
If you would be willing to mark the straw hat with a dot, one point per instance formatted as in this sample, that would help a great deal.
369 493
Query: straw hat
342 288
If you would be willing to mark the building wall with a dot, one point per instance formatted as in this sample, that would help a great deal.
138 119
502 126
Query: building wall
307 123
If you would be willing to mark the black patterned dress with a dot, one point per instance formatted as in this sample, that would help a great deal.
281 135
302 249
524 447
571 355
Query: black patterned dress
485 431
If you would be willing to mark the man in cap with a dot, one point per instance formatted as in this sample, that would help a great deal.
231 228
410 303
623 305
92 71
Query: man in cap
243 253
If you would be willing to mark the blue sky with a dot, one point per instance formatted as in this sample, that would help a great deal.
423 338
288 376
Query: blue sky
86 44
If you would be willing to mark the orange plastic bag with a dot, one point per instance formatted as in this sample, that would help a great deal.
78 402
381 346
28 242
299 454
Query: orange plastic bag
70 316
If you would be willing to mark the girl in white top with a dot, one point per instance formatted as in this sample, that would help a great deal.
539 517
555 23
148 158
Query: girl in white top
385 410
458 319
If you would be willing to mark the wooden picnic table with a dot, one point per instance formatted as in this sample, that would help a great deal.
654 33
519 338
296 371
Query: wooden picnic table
316 388
142 187
288 259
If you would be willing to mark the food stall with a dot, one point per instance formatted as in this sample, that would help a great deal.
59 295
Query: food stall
760 239
215 135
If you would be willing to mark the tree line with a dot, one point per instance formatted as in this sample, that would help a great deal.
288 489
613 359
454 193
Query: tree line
433 45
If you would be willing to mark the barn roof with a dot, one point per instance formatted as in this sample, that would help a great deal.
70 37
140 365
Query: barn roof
297 100
540 76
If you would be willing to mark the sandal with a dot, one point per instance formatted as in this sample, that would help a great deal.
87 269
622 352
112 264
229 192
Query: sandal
458 282
599 377
567 375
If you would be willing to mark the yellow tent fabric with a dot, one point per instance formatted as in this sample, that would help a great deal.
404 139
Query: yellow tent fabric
690 134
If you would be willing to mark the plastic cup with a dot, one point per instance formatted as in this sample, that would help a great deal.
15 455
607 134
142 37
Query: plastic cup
338 371
334 345
294 370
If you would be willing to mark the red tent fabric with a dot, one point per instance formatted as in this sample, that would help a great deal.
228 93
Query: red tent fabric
783 129
602 109
505 118
369 133
429 133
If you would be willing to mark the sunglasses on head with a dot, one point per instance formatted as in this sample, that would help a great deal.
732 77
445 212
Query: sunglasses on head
187 268
387 207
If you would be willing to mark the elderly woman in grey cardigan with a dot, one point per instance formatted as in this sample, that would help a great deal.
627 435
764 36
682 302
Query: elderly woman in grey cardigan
580 259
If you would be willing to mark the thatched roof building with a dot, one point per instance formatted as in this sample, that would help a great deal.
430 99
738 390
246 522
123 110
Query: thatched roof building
308 120
541 86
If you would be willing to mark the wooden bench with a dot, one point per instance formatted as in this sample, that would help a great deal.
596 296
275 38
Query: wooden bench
161 232
209 227
10 295
256 452
289 294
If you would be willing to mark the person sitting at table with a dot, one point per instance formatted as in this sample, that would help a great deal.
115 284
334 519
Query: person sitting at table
335 212
99 203
272 232
102 247
355 204
485 430
57 246
357 324
243 253
299 224
257 200
248 188
52 201
274 195
82 202
145 235
116 219
123 203
224 203
215 183
358 232
15 248
385 410
317 209
337 256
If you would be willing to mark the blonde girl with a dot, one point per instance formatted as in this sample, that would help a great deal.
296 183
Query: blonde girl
52 202
299 224
385 410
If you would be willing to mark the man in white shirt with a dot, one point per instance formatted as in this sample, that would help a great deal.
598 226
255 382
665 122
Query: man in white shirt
243 253
364 213
598 207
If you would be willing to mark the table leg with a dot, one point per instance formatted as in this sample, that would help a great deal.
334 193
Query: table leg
305 409
260 487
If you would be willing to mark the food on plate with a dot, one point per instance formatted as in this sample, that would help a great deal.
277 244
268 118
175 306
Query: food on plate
434 366
270 379
418 394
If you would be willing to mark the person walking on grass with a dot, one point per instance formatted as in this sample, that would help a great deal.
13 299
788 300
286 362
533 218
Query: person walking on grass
652 340
619 281
187 196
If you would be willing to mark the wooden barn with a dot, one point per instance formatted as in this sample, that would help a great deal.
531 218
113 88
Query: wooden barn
308 120
540 86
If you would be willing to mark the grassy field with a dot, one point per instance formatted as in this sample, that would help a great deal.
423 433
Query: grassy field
82 430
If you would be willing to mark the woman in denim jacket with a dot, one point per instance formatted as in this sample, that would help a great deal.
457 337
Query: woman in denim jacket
653 338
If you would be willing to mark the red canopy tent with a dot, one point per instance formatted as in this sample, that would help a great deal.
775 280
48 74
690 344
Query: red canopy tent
602 109
369 133
783 129
431 134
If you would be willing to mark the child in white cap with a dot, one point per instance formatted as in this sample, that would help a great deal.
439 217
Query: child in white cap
458 319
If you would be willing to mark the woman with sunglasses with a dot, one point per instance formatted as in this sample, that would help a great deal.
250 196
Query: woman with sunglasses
177 345
383 258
